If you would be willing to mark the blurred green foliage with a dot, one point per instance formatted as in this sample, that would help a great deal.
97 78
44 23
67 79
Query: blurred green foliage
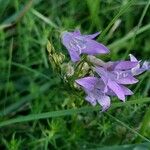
30 86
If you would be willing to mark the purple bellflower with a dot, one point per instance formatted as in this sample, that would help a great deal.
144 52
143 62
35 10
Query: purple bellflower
114 81
113 76
117 74
94 88
78 44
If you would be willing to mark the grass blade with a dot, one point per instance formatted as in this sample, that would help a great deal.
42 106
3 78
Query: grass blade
120 43
129 128
14 107
122 11
29 69
60 113
45 19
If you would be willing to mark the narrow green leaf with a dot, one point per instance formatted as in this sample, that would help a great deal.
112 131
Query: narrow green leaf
29 69
144 125
122 11
60 113
120 43
129 128
45 19
14 107
142 146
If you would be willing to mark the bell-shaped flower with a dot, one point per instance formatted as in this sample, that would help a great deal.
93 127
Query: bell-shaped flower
78 44
94 88
117 74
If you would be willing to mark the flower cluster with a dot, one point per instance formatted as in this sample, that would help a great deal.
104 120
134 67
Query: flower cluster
110 78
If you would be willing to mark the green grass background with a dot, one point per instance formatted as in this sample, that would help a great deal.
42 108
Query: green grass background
37 110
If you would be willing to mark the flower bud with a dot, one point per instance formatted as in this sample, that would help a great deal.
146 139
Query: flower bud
49 47
67 69
95 61
61 57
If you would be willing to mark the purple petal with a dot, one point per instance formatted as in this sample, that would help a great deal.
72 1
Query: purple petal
71 45
105 80
104 77
104 101
110 92
139 70
101 71
127 80
91 99
74 55
101 85
65 37
93 47
116 89
132 58
87 82
91 36
126 90
146 65
125 65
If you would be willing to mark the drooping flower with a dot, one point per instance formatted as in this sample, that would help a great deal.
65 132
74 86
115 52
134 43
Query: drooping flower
94 88
114 81
96 91
78 44
113 76
119 73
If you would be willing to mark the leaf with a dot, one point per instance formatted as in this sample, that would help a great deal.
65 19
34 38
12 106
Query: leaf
61 113
142 146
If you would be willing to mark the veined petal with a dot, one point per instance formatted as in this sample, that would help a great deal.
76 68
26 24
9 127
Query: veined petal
125 65
71 45
91 99
127 80
137 71
104 101
66 37
104 77
74 55
93 48
126 90
87 82
116 89
101 85
146 65
101 71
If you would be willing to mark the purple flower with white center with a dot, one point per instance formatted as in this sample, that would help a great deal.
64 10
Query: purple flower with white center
114 81
94 88
119 73
115 75
78 44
